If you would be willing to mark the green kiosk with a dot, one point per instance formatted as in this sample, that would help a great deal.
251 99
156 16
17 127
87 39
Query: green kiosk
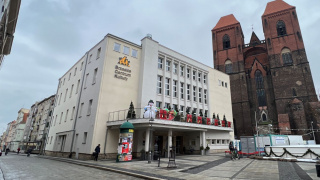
125 142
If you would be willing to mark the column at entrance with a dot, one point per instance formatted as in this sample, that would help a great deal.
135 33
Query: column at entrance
146 145
203 139
169 141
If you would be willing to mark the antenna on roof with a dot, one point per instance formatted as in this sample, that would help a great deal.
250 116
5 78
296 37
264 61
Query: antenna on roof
252 27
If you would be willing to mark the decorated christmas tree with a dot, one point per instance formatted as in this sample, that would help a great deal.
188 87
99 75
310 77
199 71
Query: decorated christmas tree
225 120
218 119
194 117
131 113
177 117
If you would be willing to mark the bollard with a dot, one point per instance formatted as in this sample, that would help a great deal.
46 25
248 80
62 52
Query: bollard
318 170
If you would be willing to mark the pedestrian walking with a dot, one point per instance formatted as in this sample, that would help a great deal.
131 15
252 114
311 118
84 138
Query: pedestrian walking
7 151
29 151
18 150
97 151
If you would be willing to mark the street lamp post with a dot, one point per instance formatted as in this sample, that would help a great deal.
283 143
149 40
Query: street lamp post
150 124
314 138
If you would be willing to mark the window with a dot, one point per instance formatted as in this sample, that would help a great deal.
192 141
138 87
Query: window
175 68
181 70
71 91
286 56
65 96
294 93
78 84
260 89
200 100
159 85
90 57
222 84
81 107
188 73
158 104
213 141
218 141
167 86
60 98
85 134
116 47
226 85
55 120
219 82
228 66
181 108
134 53
51 140
175 107
69 76
65 119
204 79
160 60
264 117
126 50
205 96
81 66
194 75
281 28
89 107
181 90
168 64
166 105
85 83
75 71
194 93
226 42
61 117
269 42
98 53
72 113
299 36
199 77
188 91
174 88
64 79
94 76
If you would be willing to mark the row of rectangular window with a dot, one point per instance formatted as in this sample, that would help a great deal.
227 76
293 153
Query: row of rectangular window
174 90
66 116
85 135
223 84
126 50
74 74
175 70
219 141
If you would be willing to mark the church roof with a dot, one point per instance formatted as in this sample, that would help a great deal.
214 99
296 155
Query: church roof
276 6
295 101
226 21
254 37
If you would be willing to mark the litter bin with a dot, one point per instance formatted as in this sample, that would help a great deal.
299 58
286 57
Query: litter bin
318 170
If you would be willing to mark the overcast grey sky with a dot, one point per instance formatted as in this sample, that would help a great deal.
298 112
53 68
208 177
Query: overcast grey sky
51 35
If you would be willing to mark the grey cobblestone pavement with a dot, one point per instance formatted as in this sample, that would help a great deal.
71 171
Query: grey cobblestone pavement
214 166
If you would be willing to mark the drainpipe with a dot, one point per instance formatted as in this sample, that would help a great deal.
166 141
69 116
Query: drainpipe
105 142
78 105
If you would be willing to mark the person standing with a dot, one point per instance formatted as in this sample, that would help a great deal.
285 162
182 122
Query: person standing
18 150
97 151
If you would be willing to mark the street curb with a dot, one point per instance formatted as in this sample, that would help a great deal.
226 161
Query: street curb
100 167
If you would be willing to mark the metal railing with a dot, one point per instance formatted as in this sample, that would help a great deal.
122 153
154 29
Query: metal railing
137 113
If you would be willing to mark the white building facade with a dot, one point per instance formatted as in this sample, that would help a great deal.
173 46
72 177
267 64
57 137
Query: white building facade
93 98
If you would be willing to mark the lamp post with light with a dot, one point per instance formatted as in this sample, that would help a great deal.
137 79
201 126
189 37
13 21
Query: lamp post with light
150 125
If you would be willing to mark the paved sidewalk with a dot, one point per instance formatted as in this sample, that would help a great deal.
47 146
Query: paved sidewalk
213 166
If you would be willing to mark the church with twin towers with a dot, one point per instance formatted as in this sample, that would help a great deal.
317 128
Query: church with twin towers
270 78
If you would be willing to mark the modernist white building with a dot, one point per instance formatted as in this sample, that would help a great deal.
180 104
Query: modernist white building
93 98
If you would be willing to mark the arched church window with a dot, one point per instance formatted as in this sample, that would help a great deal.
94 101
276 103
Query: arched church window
264 117
226 42
228 66
294 93
299 35
260 89
281 28
286 56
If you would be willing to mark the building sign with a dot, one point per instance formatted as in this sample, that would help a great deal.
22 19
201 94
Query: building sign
122 72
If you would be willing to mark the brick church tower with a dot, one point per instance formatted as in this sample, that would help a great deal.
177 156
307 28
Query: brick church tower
271 82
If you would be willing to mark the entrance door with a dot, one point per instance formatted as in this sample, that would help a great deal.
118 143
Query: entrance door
63 141
179 144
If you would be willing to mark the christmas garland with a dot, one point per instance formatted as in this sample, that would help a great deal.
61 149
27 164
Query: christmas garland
287 152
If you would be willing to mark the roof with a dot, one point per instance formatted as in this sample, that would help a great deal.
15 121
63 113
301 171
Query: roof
276 6
127 125
254 37
226 21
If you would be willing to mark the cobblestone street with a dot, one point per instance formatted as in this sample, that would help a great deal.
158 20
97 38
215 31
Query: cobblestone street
22 167
213 166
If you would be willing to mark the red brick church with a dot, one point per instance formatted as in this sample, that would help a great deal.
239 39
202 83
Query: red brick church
271 81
